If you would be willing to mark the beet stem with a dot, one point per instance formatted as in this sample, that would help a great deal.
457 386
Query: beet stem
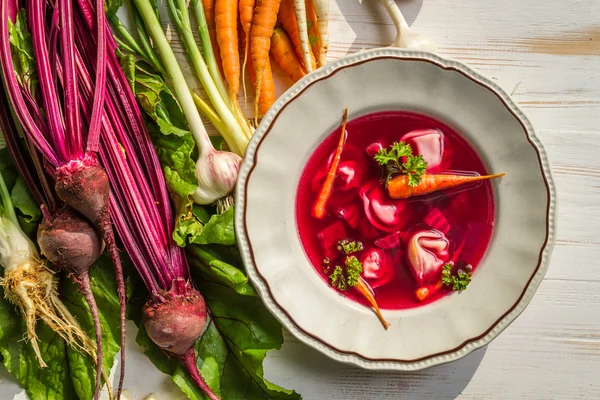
83 281
109 238
189 361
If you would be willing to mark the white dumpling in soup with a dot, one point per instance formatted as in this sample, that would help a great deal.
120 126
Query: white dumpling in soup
427 142
427 252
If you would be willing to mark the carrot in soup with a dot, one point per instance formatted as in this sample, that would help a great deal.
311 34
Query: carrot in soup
287 19
326 189
363 287
227 38
398 187
313 29
283 54
426 291
265 17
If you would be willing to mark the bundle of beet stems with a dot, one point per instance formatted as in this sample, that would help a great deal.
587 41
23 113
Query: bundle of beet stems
175 313
52 120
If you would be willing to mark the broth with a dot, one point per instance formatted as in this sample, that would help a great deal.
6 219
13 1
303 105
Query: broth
465 215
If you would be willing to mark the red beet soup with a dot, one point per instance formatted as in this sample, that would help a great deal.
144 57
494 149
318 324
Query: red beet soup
404 246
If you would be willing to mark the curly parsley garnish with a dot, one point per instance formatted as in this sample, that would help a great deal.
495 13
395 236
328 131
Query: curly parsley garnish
348 247
458 281
391 160
347 275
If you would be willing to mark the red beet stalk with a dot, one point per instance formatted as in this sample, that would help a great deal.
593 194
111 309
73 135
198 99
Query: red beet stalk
80 180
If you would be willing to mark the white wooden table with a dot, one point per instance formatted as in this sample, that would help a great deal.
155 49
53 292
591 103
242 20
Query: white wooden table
547 54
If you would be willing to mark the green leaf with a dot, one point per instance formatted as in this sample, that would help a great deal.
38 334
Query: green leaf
213 263
104 289
23 202
240 332
218 230
19 359
112 6
231 352
22 52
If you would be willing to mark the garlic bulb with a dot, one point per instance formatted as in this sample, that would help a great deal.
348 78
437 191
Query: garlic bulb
217 173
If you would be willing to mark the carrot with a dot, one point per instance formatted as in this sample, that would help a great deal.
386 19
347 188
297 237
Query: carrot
287 19
227 38
429 290
313 29
321 203
398 187
246 14
283 54
365 289
267 94
209 12
265 17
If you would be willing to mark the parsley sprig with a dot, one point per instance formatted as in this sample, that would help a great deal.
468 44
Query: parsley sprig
460 280
392 160
347 275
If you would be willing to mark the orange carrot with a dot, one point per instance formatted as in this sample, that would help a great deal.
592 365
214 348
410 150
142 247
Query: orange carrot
267 94
313 29
265 17
287 19
284 56
429 290
226 23
398 187
209 12
321 203
246 14
365 289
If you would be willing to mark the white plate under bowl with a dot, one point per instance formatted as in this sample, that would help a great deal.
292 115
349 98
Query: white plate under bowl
393 79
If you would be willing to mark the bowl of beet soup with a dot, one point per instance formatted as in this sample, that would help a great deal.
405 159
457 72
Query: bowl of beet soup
395 210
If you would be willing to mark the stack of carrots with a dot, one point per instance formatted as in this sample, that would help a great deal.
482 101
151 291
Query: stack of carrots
293 32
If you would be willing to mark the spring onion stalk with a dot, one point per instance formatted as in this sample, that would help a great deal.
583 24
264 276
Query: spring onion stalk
209 54
181 17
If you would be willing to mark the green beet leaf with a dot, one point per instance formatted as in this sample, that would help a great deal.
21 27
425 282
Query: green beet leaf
50 383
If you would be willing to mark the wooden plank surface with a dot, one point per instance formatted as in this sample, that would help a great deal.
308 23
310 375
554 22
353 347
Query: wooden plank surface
547 53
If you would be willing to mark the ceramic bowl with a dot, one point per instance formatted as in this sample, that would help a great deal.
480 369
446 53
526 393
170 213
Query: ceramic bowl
393 79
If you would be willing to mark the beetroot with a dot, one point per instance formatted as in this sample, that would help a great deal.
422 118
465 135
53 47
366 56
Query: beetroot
69 241
72 245
436 220
84 186
175 322
391 241
329 237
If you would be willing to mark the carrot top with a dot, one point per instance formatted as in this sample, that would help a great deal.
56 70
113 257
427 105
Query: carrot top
392 159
